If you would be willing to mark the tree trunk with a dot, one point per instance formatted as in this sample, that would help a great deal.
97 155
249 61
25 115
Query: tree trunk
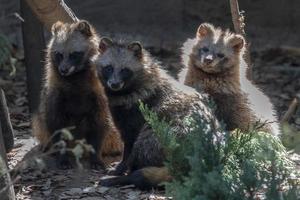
51 11
34 44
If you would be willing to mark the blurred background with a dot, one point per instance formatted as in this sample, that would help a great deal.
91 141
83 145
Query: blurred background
168 23
272 28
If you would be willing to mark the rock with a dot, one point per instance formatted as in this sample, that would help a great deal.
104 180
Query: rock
102 190
89 190
133 194
74 191
297 121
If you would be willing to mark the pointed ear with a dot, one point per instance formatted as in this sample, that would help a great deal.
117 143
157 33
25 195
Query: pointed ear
104 43
84 27
237 42
205 30
56 27
137 48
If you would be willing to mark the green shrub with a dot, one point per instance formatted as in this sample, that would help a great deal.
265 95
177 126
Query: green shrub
219 165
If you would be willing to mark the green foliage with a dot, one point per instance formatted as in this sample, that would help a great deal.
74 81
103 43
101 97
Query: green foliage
6 54
210 165
290 138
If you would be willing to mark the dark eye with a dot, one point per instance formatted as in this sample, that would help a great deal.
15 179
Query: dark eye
126 73
76 56
58 57
220 55
108 69
205 49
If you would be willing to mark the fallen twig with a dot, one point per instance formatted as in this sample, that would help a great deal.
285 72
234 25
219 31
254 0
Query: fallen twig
291 110
237 17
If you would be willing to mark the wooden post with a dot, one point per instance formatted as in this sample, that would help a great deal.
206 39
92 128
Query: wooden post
34 44
6 186
7 130
49 12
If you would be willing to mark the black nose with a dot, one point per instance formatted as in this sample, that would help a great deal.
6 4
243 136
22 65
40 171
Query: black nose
208 60
63 71
115 85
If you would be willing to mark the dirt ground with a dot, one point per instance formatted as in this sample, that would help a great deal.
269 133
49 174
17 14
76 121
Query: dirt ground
276 70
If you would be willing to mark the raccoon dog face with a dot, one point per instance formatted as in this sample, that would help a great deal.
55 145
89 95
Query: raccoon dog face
215 50
71 47
119 65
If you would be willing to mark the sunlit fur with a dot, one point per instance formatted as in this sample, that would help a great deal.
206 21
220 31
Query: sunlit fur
217 43
239 102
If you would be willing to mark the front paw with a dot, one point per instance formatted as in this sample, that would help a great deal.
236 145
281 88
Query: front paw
97 164
106 182
109 182
119 170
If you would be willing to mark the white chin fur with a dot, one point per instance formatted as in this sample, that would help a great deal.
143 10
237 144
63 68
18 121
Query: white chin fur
71 70
116 89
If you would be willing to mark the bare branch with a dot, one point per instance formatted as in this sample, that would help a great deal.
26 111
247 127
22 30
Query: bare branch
238 21
291 110
237 17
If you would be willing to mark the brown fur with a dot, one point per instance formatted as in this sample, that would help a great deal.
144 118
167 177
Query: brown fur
232 106
237 100
112 145
69 38
156 175
39 130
